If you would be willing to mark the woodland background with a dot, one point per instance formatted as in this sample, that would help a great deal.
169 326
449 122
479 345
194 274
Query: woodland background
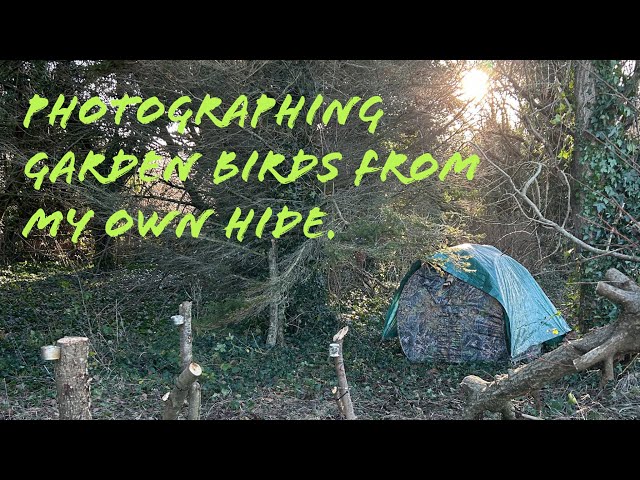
568 130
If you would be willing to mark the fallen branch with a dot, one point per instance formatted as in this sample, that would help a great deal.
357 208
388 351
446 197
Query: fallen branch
598 348
529 417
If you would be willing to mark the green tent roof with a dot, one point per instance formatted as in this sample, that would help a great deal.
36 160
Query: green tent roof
531 317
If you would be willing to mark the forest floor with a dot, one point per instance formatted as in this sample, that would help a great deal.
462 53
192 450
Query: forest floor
134 357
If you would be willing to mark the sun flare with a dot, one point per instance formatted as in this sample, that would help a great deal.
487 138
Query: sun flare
474 85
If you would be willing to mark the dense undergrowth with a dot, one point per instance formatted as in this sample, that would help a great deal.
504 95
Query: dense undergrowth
134 357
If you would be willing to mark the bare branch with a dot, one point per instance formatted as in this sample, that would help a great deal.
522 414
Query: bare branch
540 218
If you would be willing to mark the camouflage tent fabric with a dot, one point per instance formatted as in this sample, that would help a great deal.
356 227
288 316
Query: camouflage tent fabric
440 318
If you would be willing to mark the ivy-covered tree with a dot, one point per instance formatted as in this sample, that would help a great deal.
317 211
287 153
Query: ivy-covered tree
607 189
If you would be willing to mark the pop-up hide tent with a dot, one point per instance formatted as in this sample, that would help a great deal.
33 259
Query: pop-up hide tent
471 303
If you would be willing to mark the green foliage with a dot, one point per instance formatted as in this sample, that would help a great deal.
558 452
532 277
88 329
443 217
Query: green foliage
134 361
611 187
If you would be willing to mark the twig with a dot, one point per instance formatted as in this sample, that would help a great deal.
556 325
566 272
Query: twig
530 417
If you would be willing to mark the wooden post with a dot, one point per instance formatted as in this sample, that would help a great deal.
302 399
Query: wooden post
173 400
186 357
275 334
344 396
336 394
186 337
194 392
72 377
195 397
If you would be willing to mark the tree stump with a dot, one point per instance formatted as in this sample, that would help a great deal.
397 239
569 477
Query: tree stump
72 379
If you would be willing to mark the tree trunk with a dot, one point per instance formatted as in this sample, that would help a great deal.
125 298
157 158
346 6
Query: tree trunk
598 347
72 379
275 335
281 308
104 258
585 95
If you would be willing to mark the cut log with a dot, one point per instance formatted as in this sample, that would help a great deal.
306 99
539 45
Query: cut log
174 401
72 379
598 348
